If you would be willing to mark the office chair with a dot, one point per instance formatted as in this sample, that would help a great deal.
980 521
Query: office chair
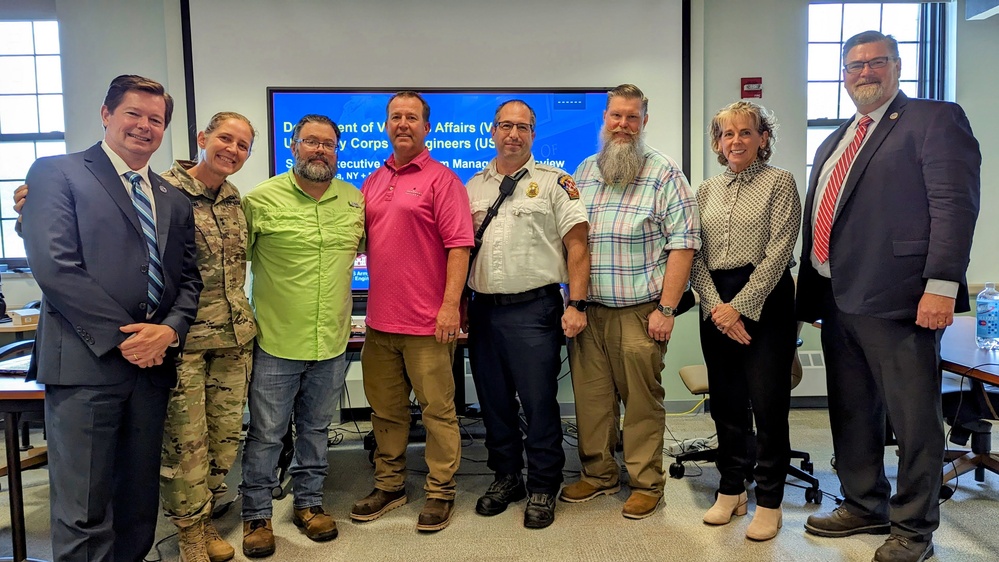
16 349
967 404
695 378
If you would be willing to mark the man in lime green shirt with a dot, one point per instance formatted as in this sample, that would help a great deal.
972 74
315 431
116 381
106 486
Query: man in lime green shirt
305 228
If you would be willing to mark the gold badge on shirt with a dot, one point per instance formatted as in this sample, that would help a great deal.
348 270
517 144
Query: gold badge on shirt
532 190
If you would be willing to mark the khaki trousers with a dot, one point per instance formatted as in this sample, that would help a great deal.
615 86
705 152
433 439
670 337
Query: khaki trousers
395 365
615 359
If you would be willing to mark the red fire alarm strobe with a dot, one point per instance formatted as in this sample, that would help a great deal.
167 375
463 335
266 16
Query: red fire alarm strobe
752 87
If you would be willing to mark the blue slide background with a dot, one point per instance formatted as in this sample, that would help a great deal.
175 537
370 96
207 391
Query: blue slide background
567 129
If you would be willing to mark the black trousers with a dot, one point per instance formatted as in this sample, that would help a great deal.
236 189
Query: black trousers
755 376
515 352
104 464
877 367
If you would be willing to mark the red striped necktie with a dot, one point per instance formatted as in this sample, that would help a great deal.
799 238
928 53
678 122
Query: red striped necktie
827 207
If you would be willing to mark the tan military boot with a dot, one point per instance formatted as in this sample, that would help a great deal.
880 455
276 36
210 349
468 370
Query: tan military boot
192 543
218 549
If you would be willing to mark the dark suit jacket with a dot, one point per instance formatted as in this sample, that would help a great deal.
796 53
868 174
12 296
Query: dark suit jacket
907 214
86 251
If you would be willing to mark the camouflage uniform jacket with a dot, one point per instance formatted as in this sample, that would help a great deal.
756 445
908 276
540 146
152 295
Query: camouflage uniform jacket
225 318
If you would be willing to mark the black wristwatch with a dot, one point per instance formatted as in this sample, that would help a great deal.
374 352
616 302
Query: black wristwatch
666 309
579 305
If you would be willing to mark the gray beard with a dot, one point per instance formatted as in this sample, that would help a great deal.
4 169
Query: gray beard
620 163
867 94
315 171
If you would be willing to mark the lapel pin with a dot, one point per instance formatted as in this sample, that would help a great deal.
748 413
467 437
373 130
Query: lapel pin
163 189
893 116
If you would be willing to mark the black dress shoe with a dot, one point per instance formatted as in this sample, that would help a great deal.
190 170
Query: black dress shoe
540 511
901 549
502 492
841 523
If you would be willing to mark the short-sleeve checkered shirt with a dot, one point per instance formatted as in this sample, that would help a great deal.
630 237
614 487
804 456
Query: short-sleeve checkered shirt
633 228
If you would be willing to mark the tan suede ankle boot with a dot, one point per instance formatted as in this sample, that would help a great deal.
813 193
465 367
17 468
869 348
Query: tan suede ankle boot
725 507
765 524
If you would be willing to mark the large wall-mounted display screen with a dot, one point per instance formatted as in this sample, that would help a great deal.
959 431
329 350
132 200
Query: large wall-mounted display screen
567 129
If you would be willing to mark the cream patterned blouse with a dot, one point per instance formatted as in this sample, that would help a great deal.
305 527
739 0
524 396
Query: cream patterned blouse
749 218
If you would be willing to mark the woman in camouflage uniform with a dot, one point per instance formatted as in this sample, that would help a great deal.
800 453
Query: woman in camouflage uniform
205 413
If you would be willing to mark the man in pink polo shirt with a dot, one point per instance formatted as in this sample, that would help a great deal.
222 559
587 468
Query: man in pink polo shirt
419 233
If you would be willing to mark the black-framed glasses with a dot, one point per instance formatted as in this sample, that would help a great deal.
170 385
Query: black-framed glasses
315 143
507 126
856 67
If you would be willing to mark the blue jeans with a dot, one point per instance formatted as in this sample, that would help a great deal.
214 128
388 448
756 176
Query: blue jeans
278 387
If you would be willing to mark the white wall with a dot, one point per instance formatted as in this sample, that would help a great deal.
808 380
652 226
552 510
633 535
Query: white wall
977 88
100 39
445 43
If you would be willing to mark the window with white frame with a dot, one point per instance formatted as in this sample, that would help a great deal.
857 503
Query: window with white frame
32 124
919 30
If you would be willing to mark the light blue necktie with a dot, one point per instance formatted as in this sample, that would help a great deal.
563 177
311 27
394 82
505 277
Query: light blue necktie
142 205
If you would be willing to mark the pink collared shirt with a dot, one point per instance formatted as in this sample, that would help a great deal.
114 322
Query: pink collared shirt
413 215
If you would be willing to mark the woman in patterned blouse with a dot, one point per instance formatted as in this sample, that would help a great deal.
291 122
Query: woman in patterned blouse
750 217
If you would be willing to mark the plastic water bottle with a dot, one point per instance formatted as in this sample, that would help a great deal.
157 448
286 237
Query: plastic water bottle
987 327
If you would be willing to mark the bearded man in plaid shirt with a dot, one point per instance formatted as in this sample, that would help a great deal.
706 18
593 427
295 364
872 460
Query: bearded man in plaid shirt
644 230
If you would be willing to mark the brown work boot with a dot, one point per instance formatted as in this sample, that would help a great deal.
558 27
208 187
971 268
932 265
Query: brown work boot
258 538
376 504
902 549
640 506
218 549
584 491
317 524
436 515
191 542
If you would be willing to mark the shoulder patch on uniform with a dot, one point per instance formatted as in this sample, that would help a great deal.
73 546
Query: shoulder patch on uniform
567 183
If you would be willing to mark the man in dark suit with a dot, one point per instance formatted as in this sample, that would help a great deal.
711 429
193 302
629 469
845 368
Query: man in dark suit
889 217
112 249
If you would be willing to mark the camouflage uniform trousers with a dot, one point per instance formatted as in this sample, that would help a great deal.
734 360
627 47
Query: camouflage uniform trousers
201 434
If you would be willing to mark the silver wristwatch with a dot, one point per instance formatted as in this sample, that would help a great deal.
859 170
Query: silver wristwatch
665 309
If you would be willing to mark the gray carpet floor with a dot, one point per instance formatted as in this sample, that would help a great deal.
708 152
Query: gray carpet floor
594 530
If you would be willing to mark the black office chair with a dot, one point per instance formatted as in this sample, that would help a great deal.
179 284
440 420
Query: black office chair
967 404
16 349
695 377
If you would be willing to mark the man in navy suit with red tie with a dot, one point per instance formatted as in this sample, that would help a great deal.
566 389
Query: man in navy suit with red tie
112 249
889 218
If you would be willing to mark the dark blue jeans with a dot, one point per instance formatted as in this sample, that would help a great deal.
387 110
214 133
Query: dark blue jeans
515 352
277 388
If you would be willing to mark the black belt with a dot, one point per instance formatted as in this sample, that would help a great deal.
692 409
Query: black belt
518 298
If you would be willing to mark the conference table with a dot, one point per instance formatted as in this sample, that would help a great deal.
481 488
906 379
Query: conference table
18 330
959 354
18 396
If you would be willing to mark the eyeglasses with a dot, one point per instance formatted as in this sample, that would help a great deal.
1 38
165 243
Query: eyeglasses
314 144
507 126
857 66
